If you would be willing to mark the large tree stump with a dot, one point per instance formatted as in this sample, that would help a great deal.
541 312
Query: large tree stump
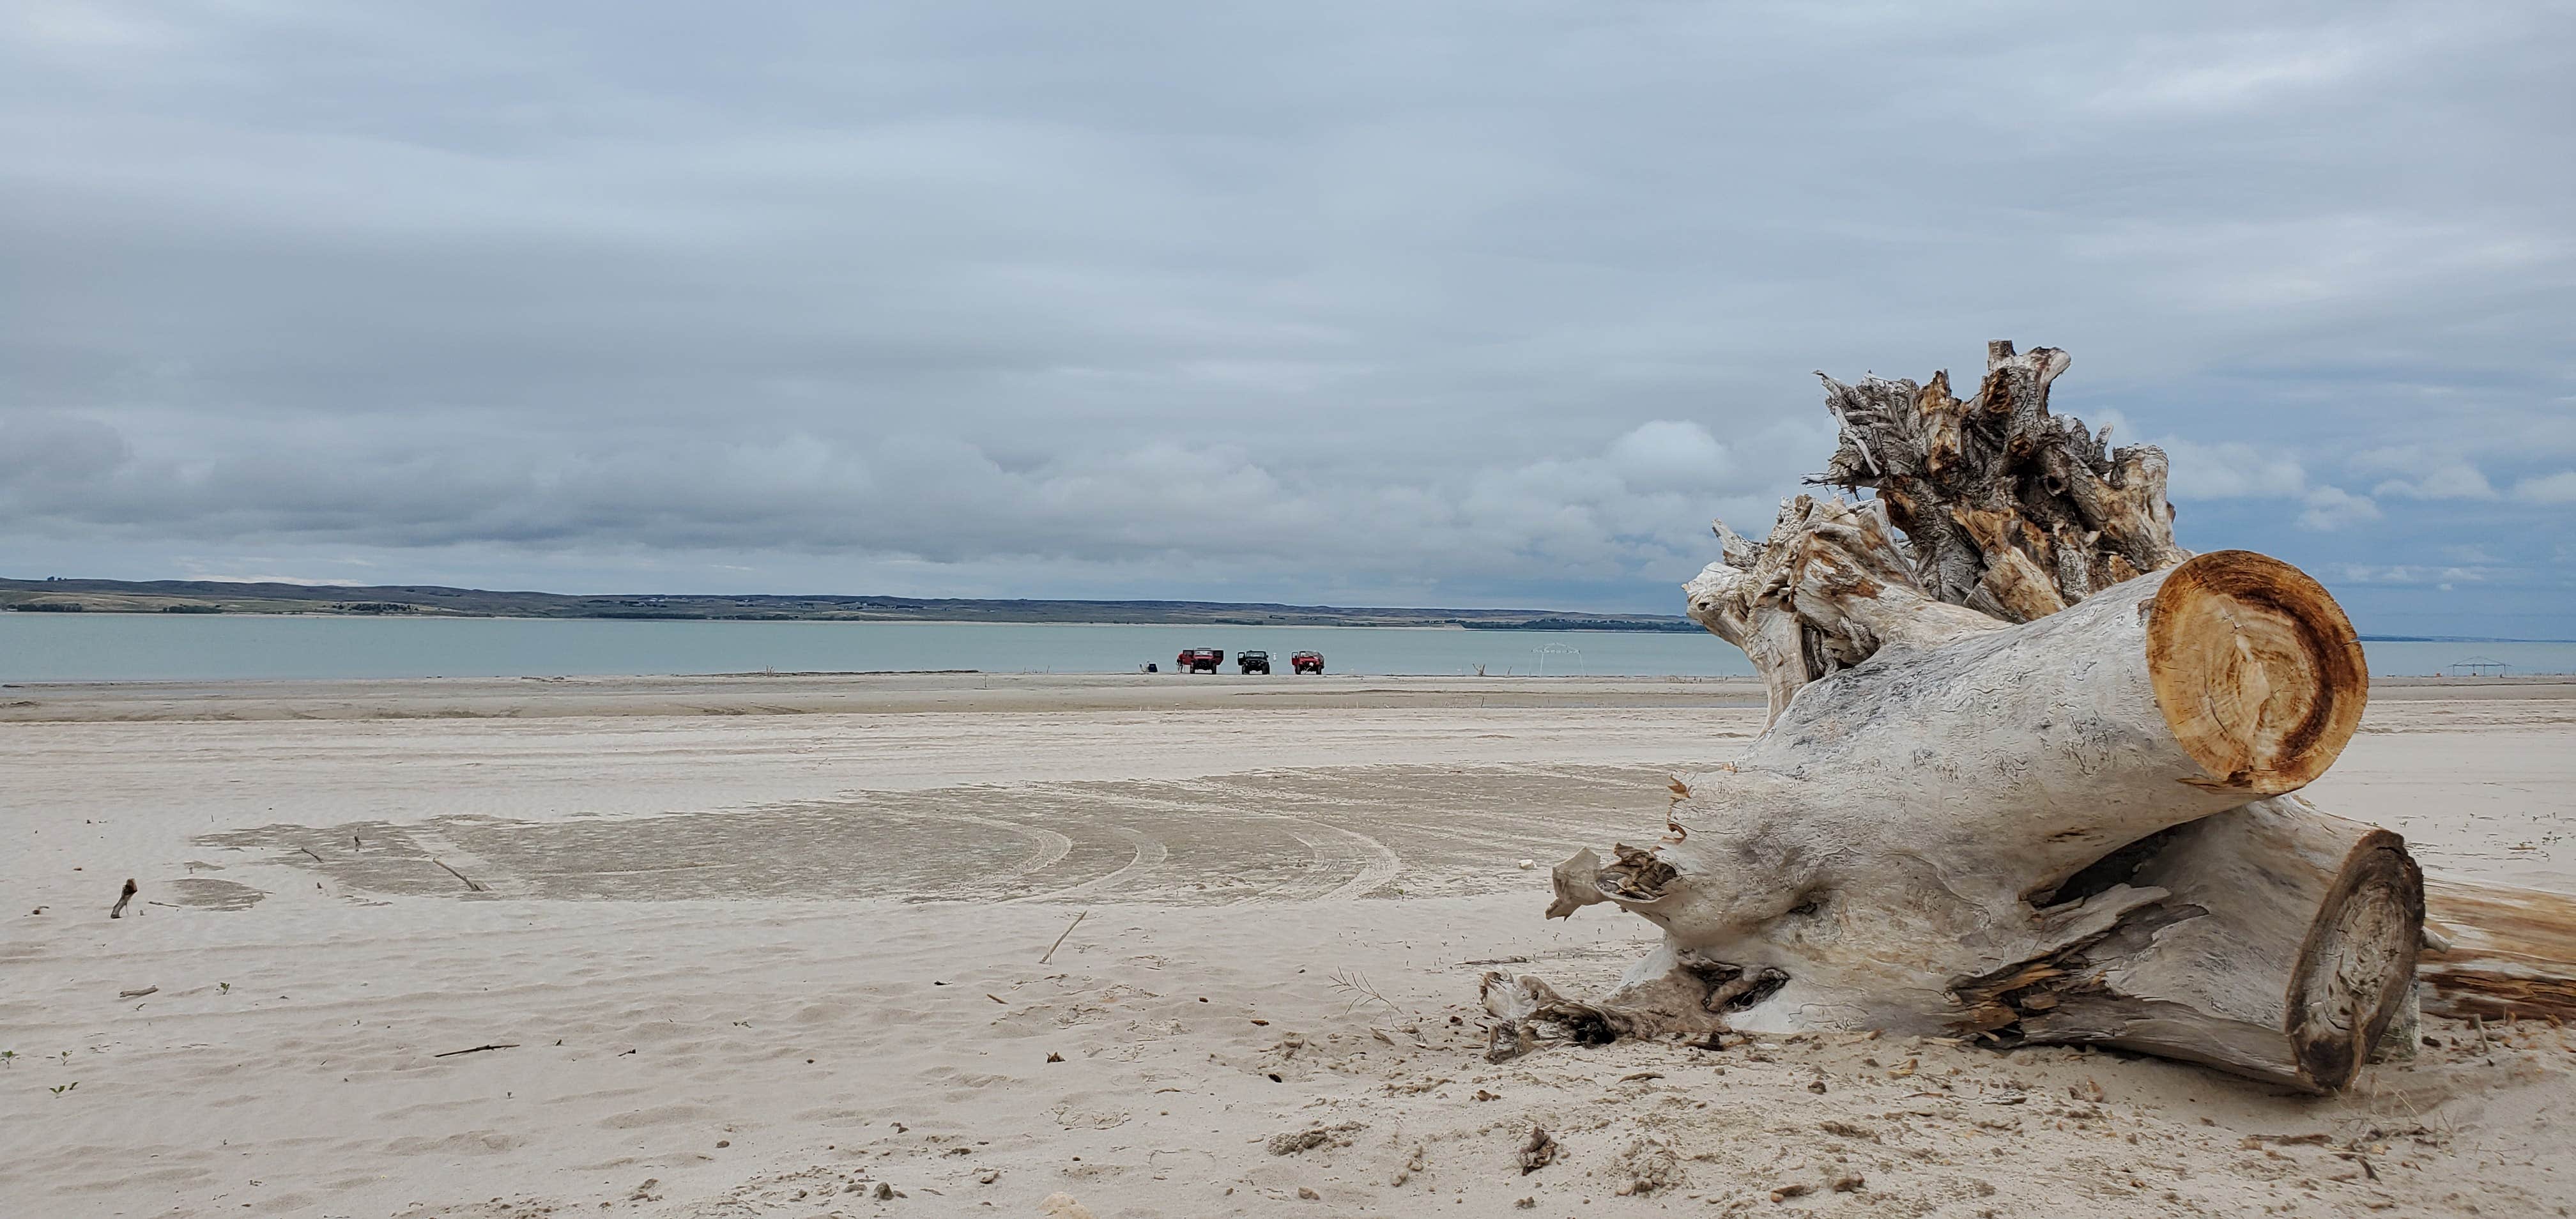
2017 512
2026 776
1932 841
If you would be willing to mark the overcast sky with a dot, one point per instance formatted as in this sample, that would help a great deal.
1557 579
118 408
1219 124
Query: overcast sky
1472 304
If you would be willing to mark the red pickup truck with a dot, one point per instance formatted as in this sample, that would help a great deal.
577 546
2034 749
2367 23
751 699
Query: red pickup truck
1198 660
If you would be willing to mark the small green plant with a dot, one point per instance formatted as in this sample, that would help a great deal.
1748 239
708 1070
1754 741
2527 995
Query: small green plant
223 988
8 1058
66 1056
59 1089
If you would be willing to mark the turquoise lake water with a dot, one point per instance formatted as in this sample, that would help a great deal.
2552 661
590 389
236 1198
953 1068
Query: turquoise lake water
145 647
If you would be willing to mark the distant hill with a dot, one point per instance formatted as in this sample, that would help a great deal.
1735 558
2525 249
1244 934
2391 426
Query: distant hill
423 600
2454 639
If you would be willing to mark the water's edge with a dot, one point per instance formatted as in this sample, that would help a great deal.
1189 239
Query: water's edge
211 647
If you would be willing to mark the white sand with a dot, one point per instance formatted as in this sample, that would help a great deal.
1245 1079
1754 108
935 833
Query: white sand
813 938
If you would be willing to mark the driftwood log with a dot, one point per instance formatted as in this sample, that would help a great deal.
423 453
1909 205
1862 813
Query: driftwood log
2017 512
2498 953
2026 778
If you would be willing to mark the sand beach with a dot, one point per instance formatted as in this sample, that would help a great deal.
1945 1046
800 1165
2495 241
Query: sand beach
952 944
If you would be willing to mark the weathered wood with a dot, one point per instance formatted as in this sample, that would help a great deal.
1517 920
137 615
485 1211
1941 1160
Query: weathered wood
2011 510
2498 953
2282 949
2023 773
1997 497
1828 589
1918 843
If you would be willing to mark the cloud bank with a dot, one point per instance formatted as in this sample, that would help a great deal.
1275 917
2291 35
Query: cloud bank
1442 303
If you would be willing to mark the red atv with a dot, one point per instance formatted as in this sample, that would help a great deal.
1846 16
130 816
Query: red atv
1198 660
1306 662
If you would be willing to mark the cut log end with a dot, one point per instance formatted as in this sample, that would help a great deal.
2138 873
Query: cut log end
2257 670
2358 964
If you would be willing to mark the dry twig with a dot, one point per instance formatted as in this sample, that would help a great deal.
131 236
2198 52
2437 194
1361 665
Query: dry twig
1357 987
1059 940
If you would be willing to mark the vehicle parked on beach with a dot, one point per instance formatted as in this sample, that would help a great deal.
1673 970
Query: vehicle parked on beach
1198 660
1305 662
1252 662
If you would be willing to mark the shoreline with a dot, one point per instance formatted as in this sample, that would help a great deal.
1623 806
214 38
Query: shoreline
914 692
112 650
834 694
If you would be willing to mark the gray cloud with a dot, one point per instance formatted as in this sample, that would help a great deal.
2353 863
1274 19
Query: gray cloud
48 452
1437 301
2558 488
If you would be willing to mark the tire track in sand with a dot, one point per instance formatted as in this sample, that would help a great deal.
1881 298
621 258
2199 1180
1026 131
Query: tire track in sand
1151 853
1051 847
1336 845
